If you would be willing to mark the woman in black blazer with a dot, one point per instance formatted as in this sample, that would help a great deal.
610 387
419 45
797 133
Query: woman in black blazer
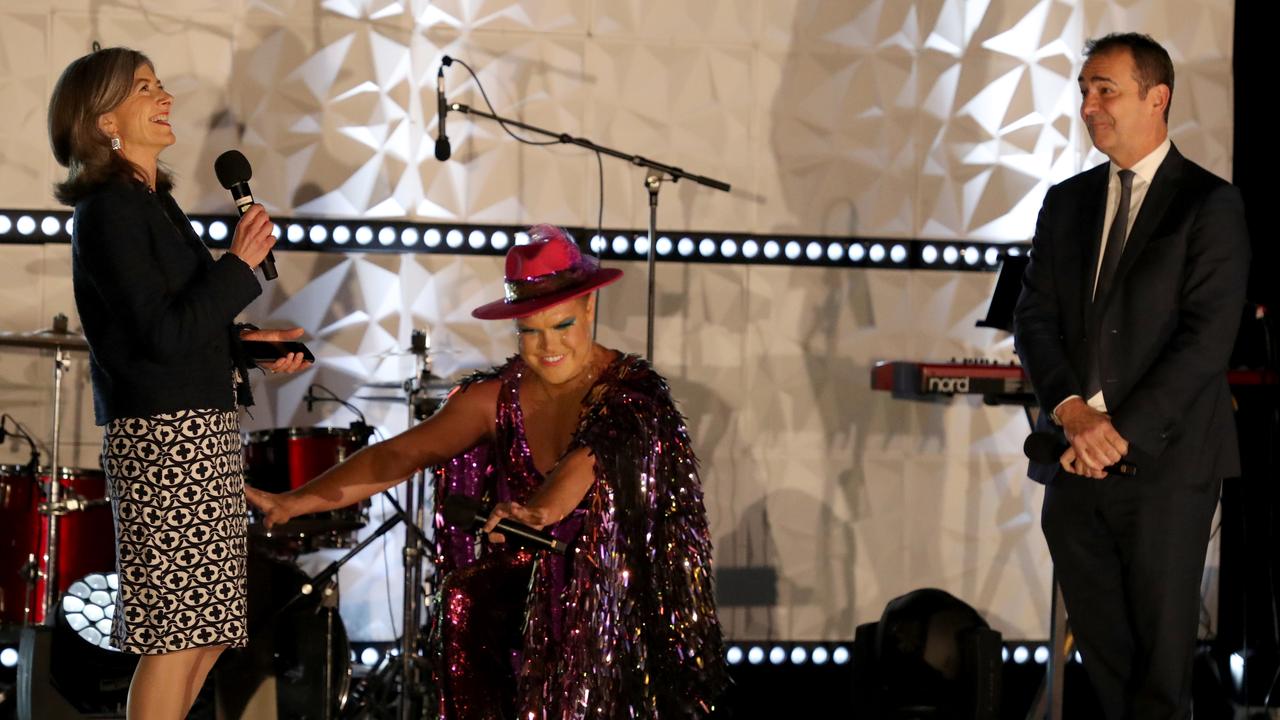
158 312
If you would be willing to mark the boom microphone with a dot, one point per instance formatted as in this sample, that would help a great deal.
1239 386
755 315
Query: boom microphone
233 171
443 150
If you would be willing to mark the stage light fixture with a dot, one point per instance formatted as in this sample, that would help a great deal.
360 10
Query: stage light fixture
522 238
1020 655
218 230
950 254
820 655
69 226
664 245
1041 655
728 248
685 246
386 236
318 234
409 236
477 239
876 253
5 224
733 655
755 655
50 225
993 256
929 254
777 655
295 233
857 252
89 605
750 248
771 249
364 235
453 238
813 251
840 655
642 246
798 655
835 252
898 254
26 225
499 240
1015 251
198 227
9 657
370 656
621 245
432 238
792 250
707 247
971 255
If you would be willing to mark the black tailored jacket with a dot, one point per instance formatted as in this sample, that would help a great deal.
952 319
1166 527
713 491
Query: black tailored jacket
157 309
1164 331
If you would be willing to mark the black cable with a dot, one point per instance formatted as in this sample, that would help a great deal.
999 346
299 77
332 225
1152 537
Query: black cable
595 324
333 397
494 112
33 465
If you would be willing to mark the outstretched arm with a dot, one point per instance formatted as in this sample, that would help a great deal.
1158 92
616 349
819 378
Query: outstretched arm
555 499
464 420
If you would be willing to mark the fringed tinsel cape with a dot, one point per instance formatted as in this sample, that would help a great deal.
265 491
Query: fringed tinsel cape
628 628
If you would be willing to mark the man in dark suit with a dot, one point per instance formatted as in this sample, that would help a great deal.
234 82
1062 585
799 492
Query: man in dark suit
1128 312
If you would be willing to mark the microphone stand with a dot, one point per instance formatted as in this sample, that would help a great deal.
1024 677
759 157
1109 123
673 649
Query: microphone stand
657 173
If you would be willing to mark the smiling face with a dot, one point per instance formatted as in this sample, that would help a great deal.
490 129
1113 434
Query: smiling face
141 121
1123 121
556 343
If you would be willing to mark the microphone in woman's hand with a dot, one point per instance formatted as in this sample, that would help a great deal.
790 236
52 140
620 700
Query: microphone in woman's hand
233 171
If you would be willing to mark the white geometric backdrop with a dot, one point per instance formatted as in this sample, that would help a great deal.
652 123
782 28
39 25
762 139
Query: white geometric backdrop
938 119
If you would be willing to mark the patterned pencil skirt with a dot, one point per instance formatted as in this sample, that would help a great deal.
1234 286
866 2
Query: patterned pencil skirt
176 484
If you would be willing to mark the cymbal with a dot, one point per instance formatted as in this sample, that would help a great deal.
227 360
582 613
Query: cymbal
45 339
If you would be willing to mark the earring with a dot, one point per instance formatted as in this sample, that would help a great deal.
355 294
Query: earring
115 143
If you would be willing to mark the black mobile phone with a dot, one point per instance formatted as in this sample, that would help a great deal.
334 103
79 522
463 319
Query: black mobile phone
269 350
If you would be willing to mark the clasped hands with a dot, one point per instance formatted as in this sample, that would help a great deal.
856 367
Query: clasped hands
1095 442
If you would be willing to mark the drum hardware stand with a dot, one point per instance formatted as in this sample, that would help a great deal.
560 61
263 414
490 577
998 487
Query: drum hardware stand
60 366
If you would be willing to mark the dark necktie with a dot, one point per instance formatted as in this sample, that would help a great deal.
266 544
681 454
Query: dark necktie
1106 273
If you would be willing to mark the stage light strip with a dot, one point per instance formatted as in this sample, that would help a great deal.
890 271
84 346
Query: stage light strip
788 653
392 236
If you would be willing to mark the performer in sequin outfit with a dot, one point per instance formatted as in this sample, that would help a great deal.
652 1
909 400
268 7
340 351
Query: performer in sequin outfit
587 443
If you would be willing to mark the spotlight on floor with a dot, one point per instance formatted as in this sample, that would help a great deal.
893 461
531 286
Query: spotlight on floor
930 655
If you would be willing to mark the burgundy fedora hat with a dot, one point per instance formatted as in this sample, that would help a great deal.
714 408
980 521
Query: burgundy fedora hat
547 271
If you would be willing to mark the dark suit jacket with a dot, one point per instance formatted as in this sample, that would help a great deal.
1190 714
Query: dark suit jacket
1165 330
157 310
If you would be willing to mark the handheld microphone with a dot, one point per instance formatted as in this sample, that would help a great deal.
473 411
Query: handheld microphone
233 171
464 512
443 150
1047 448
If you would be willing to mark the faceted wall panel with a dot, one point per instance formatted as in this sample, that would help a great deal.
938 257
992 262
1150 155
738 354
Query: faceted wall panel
921 118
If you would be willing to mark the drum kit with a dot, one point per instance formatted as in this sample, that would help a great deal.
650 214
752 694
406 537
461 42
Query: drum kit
59 534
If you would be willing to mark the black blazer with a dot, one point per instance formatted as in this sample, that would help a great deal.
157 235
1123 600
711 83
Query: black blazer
157 310
1165 330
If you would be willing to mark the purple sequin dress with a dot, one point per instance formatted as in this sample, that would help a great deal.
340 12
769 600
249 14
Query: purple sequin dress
624 626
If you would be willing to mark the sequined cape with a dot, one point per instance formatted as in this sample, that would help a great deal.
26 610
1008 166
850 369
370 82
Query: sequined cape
627 627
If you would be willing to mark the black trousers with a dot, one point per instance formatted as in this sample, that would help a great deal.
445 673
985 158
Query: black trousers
1129 556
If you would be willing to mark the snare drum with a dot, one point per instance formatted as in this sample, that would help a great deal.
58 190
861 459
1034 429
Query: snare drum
86 538
286 459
